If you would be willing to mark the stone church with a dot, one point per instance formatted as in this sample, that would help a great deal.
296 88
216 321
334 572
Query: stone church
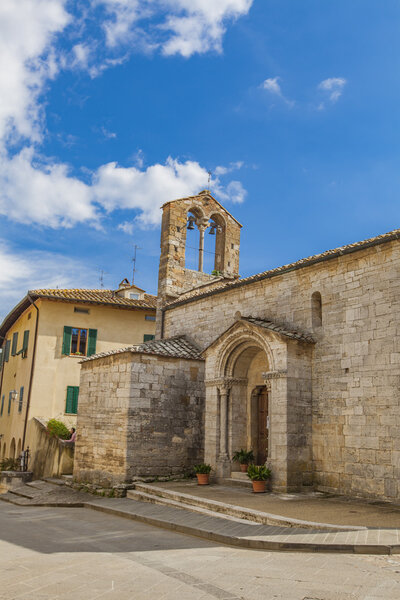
300 363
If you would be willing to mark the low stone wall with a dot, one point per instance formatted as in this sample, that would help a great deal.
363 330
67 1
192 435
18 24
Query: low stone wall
10 480
139 415
49 456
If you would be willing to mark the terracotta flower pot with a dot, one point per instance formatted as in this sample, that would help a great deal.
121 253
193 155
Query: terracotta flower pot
203 478
243 468
259 486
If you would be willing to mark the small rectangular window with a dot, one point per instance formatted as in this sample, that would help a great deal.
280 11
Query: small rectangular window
148 337
7 351
9 401
150 317
84 311
134 296
29 316
21 399
2 406
25 343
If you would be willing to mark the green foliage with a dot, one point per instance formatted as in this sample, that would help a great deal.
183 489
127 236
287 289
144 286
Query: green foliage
216 273
258 473
244 457
10 464
58 429
202 468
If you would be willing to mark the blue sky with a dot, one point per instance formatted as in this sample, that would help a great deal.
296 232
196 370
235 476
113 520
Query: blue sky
108 108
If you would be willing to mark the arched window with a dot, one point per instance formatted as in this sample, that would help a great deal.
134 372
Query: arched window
12 449
316 310
19 448
217 247
193 239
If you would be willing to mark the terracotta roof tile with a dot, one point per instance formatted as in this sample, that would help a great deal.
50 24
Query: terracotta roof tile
175 347
102 296
221 286
282 329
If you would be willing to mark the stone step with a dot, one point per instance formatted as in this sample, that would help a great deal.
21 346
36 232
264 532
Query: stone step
251 535
41 485
239 512
237 482
152 498
22 494
238 475
54 480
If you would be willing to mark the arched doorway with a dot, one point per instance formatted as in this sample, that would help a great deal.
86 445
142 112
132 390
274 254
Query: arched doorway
248 402
19 448
12 448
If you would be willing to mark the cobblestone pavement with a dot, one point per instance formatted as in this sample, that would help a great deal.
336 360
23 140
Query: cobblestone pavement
64 553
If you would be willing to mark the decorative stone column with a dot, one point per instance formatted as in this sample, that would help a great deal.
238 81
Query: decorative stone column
224 464
202 225
276 384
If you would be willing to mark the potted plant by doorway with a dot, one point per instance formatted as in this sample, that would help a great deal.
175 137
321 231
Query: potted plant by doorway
244 458
202 473
259 476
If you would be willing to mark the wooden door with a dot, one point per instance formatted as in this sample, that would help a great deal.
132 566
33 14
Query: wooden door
263 426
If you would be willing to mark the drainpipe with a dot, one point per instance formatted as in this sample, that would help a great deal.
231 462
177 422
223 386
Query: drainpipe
2 369
28 401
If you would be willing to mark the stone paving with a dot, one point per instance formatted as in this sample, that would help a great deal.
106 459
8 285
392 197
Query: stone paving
63 554
216 527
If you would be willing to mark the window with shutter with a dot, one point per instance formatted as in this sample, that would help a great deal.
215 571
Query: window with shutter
9 402
1 357
148 337
25 343
2 406
21 399
14 344
7 351
71 405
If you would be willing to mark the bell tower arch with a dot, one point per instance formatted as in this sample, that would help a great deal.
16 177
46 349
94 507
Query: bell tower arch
200 215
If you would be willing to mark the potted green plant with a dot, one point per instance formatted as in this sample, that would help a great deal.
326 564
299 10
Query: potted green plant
259 476
202 473
244 458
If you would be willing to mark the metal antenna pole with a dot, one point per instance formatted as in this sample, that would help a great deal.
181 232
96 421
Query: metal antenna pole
134 263
209 178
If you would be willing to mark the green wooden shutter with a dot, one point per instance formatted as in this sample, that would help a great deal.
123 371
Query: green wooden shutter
70 398
1 357
71 405
14 344
75 400
25 343
2 406
21 399
91 347
9 402
7 351
66 345
148 337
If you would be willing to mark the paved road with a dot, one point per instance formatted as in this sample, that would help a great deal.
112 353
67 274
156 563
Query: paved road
78 554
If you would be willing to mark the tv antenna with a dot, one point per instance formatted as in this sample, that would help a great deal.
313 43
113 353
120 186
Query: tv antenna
209 177
101 278
134 262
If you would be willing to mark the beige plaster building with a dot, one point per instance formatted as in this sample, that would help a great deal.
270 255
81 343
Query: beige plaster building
43 339
300 363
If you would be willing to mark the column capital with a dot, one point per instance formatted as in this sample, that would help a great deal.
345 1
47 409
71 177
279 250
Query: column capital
227 382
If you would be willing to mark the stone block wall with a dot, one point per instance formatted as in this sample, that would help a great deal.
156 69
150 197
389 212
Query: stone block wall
139 415
355 362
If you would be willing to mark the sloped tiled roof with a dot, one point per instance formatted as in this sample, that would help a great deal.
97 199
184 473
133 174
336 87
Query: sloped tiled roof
175 347
283 330
221 286
101 296
81 296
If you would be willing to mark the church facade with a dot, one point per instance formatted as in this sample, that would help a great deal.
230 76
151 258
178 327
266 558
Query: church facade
300 363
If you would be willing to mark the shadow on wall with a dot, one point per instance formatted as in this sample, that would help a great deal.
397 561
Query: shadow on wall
50 456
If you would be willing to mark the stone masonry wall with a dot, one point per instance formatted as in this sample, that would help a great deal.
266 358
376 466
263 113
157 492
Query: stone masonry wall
139 415
355 364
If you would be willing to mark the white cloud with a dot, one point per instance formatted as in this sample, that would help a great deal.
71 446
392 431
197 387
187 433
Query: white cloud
22 271
182 27
27 30
37 190
273 87
333 86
